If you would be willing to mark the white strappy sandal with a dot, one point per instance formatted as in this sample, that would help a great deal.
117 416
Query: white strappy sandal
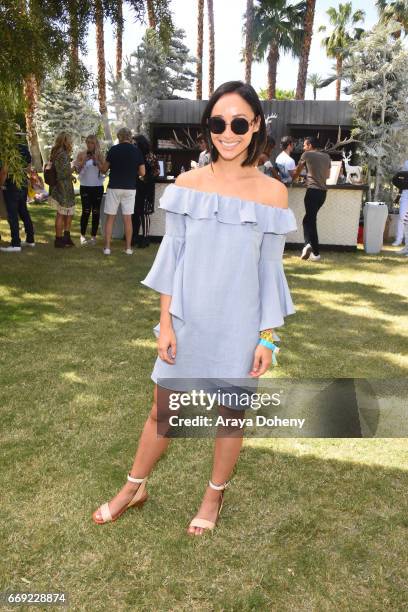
204 523
136 502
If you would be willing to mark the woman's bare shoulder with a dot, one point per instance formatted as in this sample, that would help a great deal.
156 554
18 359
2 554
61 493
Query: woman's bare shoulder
192 178
272 192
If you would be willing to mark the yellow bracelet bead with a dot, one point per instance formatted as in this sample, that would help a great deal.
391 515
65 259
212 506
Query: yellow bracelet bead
267 335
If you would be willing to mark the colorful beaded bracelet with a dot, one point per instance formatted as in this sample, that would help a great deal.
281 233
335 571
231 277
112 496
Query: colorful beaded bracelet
270 345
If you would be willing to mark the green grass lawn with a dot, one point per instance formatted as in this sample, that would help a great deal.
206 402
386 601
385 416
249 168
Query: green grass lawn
308 524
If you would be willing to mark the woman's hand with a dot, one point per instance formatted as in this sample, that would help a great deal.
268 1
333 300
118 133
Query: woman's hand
166 340
262 361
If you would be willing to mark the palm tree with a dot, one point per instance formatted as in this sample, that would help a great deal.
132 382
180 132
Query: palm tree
396 10
119 39
249 42
338 42
151 14
158 14
31 97
211 47
278 26
199 54
315 80
100 53
159 18
304 54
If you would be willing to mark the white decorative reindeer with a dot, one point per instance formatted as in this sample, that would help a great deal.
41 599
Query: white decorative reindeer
351 171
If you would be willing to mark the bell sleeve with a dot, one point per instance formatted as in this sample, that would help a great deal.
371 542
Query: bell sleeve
164 275
275 299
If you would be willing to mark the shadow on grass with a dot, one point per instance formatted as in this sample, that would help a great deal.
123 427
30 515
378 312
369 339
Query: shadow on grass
297 532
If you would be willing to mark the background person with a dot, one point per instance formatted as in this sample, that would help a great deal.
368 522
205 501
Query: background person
89 166
62 195
15 199
264 162
145 192
403 209
318 166
125 163
204 157
285 163
36 189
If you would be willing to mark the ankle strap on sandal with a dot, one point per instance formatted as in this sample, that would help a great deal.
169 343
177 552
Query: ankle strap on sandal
218 487
135 480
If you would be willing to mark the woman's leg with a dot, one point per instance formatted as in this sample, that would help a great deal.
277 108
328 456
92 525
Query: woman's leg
59 225
67 222
149 451
86 208
96 208
227 447
137 219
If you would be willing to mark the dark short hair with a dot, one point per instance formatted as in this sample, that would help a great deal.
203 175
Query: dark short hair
313 141
141 141
248 93
285 142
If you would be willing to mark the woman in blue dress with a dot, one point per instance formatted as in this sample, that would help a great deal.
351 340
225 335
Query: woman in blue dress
222 287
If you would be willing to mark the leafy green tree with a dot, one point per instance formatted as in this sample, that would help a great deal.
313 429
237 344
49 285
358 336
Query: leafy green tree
33 40
337 44
397 11
280 94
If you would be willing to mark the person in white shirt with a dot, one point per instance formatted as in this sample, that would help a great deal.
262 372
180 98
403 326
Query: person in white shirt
88 164
204 157
403 211
285 163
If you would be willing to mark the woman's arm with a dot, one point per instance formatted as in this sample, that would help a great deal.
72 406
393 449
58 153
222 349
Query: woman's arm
79 161
167 337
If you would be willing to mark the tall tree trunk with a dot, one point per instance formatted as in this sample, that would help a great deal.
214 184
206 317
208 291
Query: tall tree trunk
199 54
150 14
304 56
273 59
211 47
249 43
339 66
119 37
100 51
31 94
74 40
314 93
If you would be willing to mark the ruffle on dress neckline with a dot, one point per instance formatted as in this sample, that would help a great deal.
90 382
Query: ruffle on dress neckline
227 209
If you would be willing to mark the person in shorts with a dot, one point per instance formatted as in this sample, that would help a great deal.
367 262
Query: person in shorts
125 163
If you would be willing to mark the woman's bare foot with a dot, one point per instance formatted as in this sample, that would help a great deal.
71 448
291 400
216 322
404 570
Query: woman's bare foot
120 500
208 510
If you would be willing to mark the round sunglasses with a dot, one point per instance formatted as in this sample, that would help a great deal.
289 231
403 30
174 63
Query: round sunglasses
239 125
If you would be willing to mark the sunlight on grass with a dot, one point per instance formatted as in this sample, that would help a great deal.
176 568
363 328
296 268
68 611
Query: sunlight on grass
73 377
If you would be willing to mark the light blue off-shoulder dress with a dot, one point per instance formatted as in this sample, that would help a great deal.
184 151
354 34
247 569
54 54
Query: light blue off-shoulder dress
221 261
